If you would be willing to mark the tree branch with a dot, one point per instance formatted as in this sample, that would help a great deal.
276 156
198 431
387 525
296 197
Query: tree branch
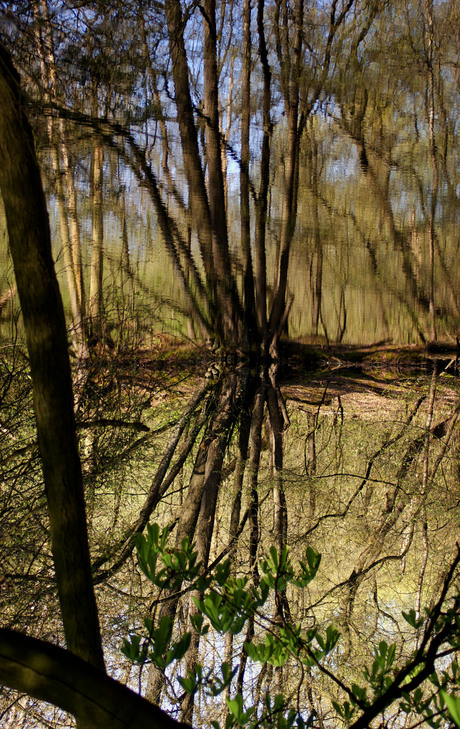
55 675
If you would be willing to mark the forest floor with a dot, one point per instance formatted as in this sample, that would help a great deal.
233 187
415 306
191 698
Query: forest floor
364 379
368 380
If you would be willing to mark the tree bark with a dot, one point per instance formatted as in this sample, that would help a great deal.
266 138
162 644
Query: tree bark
188 134
207 208
48 65
44 322
97 200
291 91
59 156
260 271
54 675
248 282
433 159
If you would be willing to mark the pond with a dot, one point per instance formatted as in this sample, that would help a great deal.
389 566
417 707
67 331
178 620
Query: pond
348 453
255 449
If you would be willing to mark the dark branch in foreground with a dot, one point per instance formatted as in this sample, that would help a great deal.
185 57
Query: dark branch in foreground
425 656
55 675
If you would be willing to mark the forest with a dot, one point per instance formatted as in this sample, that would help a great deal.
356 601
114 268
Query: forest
229 342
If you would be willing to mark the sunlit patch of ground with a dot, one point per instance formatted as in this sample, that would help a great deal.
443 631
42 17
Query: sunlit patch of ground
369 383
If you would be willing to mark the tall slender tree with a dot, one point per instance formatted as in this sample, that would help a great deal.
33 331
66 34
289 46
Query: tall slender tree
41 304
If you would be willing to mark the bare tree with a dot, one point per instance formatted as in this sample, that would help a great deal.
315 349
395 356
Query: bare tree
30 245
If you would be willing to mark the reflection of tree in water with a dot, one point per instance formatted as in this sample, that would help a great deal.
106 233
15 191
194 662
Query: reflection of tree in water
365 500
373 494
367 473
230 412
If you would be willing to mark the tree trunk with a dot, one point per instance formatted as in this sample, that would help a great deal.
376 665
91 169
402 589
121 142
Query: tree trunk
433 159
248 281
30 245
54 675
188 134
260 271
291 89
207 210
59 156
95 304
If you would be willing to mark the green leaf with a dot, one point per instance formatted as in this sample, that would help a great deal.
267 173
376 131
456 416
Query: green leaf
252 651
133 650
193 680
198 623
179 649
164 630
220 685
411 618
453 706
345 710
261 596
222 572
235 706
359 693
309 570
188 683
274 554
391 654
332 636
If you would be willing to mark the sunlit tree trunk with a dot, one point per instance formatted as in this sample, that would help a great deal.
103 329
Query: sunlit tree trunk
225 132
46 64
216 190
316 270
226 291
290 83
433 156
65 188
260 264
95 302
188 134
248 280
208 212
50 79
127 275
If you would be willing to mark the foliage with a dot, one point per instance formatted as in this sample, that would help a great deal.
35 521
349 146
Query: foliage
371 106
277 149
227 602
